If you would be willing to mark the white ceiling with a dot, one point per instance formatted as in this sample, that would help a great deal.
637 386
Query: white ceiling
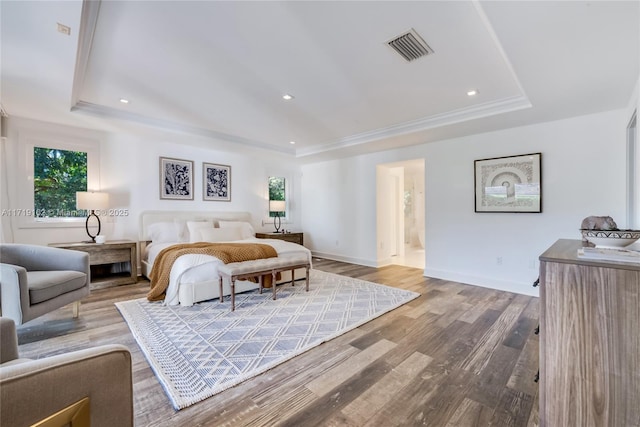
219 69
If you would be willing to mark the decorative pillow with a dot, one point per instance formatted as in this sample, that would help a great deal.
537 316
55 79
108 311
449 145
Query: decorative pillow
245 227
194 229
163 232
183 232
228 234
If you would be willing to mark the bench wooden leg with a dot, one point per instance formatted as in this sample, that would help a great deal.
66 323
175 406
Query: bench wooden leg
307 268
233 293
221 297
260 283
273 283
293 277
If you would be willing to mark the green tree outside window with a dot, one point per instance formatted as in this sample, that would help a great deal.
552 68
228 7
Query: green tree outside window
57 175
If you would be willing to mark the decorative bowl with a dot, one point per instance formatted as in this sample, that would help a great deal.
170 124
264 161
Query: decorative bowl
611 238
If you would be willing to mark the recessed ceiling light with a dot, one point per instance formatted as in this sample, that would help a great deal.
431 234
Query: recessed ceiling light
124 101
287 97
472 92
292 142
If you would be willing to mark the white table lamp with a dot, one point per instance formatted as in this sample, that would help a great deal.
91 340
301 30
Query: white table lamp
92 201
277 206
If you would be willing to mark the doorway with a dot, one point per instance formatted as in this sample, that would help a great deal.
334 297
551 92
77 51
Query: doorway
401 215
632 173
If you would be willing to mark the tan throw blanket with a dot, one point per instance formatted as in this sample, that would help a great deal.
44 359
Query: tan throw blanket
226 252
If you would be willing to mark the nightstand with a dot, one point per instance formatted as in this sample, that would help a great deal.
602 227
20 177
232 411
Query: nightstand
289 237
103 260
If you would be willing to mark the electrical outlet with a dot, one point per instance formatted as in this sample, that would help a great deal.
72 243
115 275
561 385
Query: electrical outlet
499 260
64 29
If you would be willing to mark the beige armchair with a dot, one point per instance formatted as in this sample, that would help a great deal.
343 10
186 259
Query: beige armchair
35 280
81 388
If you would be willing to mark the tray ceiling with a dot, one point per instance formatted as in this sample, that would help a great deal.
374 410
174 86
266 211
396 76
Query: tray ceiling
219 69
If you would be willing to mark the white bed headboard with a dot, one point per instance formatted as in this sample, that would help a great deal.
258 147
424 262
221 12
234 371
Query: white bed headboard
150 217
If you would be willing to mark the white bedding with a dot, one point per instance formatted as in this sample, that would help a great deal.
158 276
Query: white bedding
196 268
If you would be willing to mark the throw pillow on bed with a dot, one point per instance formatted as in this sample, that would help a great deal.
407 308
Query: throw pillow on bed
220 234
245 227
164 232
194 228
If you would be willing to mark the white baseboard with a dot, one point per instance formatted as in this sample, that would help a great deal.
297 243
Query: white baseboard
523 288
485 282
350 260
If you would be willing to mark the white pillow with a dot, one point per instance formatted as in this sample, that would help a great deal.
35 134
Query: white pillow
183 233
245 227
194 229
220 234
163 232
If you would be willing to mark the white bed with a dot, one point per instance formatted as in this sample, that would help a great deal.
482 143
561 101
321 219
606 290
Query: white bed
195 278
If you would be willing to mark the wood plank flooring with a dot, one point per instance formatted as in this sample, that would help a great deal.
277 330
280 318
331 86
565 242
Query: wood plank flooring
458 355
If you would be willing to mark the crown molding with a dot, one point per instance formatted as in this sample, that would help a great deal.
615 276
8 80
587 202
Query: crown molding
114 113
88 21
438 120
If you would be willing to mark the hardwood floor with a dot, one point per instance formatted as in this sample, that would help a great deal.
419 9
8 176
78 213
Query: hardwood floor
458 355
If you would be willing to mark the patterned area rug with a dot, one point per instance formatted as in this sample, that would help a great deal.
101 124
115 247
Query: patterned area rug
202 350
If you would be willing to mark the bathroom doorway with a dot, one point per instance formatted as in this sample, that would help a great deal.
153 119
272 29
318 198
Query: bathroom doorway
402 209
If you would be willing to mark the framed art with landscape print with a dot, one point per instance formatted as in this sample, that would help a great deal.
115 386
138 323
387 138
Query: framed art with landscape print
509 184
217 182
176 179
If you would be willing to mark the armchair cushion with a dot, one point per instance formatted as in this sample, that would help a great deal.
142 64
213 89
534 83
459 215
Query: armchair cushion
35 280
45 285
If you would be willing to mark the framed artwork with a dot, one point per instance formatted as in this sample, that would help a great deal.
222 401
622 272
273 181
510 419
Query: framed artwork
509 184
216 184
176 179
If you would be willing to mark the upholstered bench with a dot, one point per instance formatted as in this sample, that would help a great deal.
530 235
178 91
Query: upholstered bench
259 267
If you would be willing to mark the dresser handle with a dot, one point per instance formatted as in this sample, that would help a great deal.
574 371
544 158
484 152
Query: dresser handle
536 283
537 330
537 377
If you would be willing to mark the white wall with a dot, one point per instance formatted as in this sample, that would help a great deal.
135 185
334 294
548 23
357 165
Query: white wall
335 202
583 169
129 172
133 179
338 209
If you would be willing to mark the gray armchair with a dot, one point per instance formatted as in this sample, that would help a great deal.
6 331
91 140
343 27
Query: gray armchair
35 280
89 387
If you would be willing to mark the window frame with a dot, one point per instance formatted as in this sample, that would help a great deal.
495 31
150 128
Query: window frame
30 140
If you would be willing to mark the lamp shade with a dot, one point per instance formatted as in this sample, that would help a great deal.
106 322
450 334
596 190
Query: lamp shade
277 206
92 200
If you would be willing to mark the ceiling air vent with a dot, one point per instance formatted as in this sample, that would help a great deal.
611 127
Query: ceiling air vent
410 45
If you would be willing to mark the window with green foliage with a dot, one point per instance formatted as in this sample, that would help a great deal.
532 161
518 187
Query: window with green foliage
57 175
277 191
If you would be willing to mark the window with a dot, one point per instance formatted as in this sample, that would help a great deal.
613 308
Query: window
54 163
57 175
277 191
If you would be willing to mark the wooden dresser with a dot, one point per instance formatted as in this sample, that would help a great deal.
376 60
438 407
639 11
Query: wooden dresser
589 340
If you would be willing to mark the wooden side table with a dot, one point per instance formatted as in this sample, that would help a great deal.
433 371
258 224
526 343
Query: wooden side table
289 237
102 258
